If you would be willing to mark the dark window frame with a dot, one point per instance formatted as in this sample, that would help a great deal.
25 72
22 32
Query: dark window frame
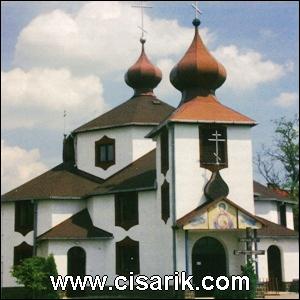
127 257
164 151
24 216
126 210
282 214
165 201
22 252
203 139
105 142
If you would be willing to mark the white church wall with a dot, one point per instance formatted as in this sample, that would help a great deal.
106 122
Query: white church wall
191 179
9 240
267 210
97 255
289 250
239 174
141 145
150 232
129 142
289 217
53 212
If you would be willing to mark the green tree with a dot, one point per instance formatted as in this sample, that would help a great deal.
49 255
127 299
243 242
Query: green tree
34 273
279 163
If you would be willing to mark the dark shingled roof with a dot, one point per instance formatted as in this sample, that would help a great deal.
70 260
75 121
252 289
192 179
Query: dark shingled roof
264 192
141 174
275 230
61 181
139 110
79 226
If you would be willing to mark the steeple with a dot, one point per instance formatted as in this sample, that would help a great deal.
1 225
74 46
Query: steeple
143 76
198 73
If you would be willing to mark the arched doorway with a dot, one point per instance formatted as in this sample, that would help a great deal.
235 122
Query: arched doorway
274 268
208 258
76 267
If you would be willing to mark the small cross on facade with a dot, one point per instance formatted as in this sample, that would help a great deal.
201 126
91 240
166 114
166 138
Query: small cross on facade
197 10
216 139
142 6
65 114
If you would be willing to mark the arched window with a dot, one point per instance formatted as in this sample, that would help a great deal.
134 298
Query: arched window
76 261
21 252
127 257
274 268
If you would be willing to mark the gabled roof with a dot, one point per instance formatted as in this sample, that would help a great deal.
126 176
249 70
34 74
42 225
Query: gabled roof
139 175
60 182
79 226
204 109
264 193
275 230
139 110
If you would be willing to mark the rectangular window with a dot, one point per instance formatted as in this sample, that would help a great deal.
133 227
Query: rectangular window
24 216
213 146
126 210
282 212
106 153
164 151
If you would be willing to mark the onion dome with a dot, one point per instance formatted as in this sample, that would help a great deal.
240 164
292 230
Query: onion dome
143 76
198 69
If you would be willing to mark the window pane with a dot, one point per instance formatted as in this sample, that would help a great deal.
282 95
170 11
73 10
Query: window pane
110 152
103 153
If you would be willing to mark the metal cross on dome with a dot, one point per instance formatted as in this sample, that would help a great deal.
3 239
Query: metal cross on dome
197 10
142 6
217 140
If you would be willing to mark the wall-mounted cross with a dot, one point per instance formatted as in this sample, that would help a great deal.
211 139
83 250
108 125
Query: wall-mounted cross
142 6
197 10
217 140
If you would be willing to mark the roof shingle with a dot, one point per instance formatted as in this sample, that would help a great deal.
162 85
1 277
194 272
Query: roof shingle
79 226
139 110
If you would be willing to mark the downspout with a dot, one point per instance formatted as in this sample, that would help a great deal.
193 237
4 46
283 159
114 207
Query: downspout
173 198
34 227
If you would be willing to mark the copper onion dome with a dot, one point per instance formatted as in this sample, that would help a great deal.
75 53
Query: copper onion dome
143 76
198 70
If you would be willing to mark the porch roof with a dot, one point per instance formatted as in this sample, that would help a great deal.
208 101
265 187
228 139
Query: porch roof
78 226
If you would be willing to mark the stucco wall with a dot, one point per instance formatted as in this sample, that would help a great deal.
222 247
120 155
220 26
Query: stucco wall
129 142
289 250
267 210
9 240
53 212
191 179
153 234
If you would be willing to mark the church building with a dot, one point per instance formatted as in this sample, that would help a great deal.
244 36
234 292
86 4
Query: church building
152 189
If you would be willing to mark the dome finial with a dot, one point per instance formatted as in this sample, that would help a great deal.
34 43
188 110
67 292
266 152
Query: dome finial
198 12
198 72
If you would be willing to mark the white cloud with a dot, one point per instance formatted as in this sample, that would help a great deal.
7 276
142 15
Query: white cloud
101 37
18 166
286 99
248 69
37 98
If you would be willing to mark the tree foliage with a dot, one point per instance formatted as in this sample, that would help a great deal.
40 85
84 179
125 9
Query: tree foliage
34 274
279 163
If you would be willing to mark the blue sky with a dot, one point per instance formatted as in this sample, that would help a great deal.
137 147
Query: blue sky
73 55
